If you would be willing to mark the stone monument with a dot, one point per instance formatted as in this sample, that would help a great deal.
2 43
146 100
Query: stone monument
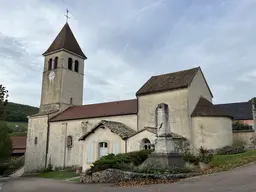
164 156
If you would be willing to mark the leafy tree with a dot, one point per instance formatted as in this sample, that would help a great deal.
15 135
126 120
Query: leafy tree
5 141
3 101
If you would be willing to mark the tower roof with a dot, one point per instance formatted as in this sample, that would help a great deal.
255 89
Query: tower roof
65 40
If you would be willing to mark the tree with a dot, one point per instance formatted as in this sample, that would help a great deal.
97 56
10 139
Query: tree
5 141
3 101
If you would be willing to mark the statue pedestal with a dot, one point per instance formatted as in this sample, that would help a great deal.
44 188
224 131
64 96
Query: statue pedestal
164 156
164 145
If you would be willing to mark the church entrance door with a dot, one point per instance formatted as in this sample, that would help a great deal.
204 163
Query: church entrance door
103 149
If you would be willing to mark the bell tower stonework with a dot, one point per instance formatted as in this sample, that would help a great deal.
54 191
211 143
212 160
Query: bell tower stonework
63 73
62 86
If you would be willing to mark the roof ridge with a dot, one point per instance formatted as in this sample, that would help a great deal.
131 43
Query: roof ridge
176 71
105 102
240 102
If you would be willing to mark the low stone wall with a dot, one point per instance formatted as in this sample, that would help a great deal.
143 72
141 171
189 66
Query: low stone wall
115 176
244 135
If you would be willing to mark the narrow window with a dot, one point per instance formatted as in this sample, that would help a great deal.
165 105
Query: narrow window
76 66
145 144
55 62
35 142
70 61
69 142
103 149
71 100
50 64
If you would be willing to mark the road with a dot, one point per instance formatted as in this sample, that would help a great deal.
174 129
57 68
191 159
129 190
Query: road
240 179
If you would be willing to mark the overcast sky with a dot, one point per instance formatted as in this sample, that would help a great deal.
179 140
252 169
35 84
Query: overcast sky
127 42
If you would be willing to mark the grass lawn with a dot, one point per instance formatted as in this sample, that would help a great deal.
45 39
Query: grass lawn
227 162
13 124
58 175
76 180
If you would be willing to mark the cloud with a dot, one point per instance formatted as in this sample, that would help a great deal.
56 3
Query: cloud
128 41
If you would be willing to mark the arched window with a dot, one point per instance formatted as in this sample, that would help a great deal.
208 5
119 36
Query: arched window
50 64
55 62
76 66
35 141
103 149
71 100
70 62
69 142
145 144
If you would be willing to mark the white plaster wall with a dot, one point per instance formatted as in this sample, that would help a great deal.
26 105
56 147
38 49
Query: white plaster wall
101 135
36 153
212 132
58 135
196 89
177 101
134 143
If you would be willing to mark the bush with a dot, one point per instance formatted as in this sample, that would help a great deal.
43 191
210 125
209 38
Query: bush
190 158
119 161
228 150
3 167
241 126
205 155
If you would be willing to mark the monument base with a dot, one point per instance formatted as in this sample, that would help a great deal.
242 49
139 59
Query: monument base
163 161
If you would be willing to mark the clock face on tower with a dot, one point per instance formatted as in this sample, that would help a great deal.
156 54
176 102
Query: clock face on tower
51 75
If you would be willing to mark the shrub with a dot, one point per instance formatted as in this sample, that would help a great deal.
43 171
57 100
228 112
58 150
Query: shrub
3 167
241 126
119 161
228 150
205 155
189 157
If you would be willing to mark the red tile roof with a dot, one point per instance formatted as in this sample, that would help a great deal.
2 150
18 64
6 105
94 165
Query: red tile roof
115 108
19 142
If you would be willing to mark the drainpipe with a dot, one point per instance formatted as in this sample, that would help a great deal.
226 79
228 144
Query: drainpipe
47 141
65 144
254 113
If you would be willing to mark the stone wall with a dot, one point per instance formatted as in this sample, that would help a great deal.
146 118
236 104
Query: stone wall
177 101
212 132
115 176
36 150
62 156
245 136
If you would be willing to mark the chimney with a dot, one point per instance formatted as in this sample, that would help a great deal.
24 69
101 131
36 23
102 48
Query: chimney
254 112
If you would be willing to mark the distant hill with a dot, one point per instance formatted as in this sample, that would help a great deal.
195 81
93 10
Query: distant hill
16 112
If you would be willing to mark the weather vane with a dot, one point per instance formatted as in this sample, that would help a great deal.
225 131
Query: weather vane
67 17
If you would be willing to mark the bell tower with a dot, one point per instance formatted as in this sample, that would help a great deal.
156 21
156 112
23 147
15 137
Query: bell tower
63 73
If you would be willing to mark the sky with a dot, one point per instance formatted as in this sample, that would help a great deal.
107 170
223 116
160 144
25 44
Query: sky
129 41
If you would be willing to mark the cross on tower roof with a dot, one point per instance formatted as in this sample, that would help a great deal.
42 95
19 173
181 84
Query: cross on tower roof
67 17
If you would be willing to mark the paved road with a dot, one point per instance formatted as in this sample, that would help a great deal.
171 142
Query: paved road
238 180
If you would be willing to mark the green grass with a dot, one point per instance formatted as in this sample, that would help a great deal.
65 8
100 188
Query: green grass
58 175
227 162
17 134
76 180
13 124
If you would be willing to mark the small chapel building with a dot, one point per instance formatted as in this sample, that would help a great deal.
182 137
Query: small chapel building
67 133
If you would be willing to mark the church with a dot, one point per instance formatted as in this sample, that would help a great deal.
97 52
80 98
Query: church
67 133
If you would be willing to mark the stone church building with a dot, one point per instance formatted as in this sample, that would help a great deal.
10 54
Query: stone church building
67 133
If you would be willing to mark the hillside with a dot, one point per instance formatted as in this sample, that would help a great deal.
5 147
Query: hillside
19 112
